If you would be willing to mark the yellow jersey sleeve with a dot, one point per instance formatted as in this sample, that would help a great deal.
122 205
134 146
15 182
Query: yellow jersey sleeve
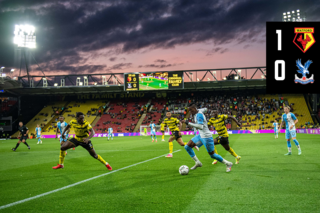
224 117
177 121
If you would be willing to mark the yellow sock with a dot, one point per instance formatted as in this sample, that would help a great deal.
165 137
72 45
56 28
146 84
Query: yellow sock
62 156
215 150
232 152
162 137
185 143
101 160
170 147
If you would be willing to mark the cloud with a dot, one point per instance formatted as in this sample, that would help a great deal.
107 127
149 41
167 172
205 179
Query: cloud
160 61
112 58
120 66
71 28
158 65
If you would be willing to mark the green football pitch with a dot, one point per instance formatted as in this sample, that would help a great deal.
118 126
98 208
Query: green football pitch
143 180
152 84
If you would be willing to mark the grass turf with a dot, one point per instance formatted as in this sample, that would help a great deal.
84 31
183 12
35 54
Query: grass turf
264 181
153 84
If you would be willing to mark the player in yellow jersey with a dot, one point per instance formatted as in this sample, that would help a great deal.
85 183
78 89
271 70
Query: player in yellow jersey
218 121
82 129
162 130
172 123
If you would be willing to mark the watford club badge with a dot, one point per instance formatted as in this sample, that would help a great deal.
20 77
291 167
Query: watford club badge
304 38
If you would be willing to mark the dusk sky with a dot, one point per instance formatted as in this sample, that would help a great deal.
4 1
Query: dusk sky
148 35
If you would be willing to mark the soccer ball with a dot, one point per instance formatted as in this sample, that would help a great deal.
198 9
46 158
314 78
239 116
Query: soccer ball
183 170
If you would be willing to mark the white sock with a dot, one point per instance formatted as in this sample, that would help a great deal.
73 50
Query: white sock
289 149
195 159
298 147
225 162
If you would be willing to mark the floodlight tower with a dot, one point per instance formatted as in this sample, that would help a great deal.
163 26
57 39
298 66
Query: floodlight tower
25 39
293 16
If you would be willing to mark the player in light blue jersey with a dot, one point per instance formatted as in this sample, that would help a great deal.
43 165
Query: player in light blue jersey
205 137
275 125
38 133
110 133
61 125
153 131
290 119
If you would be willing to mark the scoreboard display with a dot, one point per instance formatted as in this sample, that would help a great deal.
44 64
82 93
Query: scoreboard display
131 81
293 57
153 81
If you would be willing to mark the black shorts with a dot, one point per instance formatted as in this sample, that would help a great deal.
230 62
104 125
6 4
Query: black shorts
176 135
222 140
162 132
88 146
23 138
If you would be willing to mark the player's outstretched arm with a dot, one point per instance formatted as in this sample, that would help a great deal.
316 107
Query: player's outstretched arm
86 140
281 125
27 132
233 118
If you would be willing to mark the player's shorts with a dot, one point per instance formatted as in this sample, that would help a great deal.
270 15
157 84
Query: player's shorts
162 131
65 139
196 139
207 142
110 134
88 146
195 132
176 135
222 140
23 138
153 133
38 136
275 130
290 134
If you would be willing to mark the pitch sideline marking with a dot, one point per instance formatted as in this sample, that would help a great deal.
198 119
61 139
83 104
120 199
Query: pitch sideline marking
77 183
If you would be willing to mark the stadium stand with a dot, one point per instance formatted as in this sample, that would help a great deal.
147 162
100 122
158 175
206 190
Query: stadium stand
121 116
90 109
43 117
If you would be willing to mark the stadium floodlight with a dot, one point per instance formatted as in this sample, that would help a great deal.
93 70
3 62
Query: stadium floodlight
14 78
24 36
45 82
224 78
262 76
284 14
298 10
208 79
85 81
80 83
198 79
236 77
288 12
292 11
2 68
55 84
95 83
12 70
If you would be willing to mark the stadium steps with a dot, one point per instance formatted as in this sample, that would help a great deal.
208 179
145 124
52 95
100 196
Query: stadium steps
32 124
95 121
45 128
300 107
137 127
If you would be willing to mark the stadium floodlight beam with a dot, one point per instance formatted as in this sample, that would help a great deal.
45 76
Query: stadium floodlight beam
236 77
24 36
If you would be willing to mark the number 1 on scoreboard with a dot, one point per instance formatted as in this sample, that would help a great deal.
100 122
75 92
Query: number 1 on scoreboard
279 39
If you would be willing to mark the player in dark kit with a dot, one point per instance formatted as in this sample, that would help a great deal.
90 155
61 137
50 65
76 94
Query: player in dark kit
84 132
23 131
